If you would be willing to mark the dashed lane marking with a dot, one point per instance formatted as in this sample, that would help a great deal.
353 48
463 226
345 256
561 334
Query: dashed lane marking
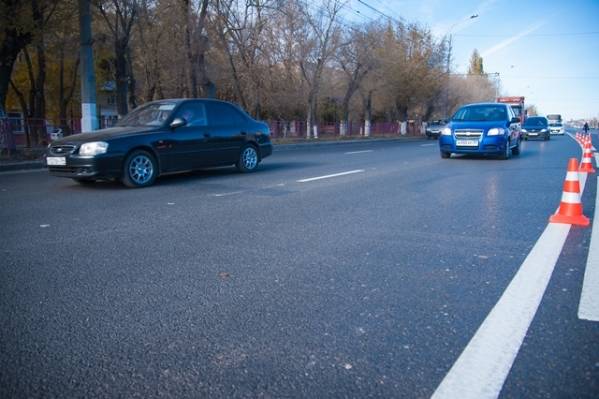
329 176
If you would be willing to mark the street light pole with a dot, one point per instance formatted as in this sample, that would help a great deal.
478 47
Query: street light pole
449 60
450 38
496 84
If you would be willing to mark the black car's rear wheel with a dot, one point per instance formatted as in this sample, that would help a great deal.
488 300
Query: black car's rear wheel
139 170
248 159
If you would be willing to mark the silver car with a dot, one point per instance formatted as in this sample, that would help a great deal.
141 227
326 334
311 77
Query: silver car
556 128
435 127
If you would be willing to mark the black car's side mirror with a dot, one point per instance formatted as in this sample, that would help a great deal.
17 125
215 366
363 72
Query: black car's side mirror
178 122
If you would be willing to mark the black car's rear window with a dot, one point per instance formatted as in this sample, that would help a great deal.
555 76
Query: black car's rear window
224 114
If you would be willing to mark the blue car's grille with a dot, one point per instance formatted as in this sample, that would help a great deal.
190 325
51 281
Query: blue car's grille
468 133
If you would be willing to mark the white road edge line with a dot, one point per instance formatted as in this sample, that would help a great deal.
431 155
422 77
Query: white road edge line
588 309
483 366
328 176
357 152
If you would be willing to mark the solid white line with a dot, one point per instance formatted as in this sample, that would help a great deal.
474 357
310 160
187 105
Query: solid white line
327 176
483 366
357 152
588 308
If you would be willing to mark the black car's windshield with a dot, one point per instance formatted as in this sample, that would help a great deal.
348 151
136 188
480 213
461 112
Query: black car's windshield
151 114
532 121
480 113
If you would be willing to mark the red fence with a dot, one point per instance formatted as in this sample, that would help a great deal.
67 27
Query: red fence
292 129
38 132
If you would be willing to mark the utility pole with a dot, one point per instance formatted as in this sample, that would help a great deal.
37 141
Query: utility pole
449 63
89 117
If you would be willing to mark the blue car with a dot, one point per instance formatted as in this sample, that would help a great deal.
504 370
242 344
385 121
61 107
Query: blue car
483 128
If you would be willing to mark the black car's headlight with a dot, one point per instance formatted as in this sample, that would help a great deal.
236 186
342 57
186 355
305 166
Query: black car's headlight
93 148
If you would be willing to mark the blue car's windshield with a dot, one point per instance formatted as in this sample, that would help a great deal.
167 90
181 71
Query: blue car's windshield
480 113
151 114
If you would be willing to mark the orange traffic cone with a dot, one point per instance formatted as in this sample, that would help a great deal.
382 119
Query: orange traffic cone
587 163
570 209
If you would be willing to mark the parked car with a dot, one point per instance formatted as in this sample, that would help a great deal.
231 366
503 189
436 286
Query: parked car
435 127
536 127
482 128
162 137
556 128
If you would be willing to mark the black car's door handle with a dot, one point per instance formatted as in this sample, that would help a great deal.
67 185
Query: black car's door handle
243 133
206 134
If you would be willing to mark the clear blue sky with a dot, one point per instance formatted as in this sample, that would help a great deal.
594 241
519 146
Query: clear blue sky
547 51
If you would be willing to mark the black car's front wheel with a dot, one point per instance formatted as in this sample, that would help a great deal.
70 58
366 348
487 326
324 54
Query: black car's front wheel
139 170
248 159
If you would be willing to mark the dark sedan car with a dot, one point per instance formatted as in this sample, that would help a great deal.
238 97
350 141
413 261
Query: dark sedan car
536 127
483 128
163 137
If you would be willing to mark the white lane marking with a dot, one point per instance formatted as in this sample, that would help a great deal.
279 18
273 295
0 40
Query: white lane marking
357 152
483 366
424 145
246 191
588 309
328 176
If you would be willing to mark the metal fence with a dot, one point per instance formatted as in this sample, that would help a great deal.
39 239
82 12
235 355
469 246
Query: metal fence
38 132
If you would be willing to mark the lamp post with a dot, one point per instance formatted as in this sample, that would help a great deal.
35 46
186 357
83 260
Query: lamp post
450 38
449 60
496 84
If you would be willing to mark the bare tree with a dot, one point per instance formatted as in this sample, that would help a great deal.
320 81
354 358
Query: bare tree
317 46
357 59
119 16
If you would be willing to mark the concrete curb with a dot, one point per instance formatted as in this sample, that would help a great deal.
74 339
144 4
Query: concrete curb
39 164
27 165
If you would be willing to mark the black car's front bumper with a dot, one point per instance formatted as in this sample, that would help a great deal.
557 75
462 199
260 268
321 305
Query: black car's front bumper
78 167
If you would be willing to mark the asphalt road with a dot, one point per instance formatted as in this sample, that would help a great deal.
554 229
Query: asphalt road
334 272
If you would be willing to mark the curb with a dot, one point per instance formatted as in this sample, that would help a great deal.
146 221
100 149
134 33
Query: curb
28 165
36 165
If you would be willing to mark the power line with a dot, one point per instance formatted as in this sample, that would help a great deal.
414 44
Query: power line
533 35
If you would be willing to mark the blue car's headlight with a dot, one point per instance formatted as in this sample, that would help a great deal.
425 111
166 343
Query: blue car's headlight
446 131
496 131
523 131
94 148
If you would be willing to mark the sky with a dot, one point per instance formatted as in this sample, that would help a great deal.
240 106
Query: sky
546 51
